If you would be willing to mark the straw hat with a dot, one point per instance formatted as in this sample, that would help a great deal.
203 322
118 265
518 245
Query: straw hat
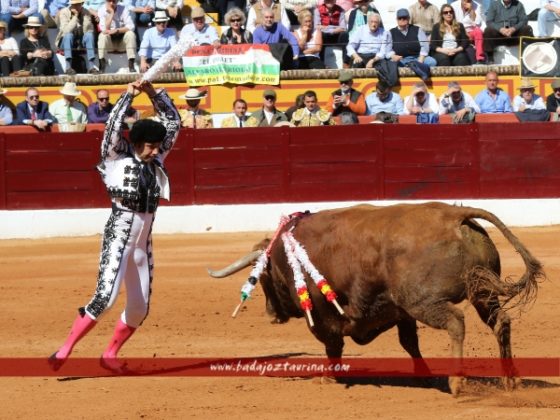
33 21
77 1
160 16
197 12
526 84
3 91
555 84
193 93
70 89
3 25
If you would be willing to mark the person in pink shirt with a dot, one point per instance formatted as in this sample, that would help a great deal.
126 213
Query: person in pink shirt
468 12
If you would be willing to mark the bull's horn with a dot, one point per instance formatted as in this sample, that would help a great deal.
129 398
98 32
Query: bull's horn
233 268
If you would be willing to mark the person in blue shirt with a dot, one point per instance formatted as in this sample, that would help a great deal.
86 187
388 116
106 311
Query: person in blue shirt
369 44
493 99
16 12
156 42
384 100
271 32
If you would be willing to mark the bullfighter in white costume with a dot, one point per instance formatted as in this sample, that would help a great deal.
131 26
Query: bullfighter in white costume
135 179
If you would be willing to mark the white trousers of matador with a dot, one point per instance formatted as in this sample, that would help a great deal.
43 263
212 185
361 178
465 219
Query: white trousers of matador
126 256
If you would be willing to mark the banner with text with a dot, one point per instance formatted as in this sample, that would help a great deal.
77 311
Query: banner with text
237 64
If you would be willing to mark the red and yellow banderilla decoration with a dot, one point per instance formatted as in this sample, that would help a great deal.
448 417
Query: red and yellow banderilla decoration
297 258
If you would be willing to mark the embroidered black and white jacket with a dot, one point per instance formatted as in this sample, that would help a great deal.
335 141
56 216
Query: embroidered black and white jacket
122 171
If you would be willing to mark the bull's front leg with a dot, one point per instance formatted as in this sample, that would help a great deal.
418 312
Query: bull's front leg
334 346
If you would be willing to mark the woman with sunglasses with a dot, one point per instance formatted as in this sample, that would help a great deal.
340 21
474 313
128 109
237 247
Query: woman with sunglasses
236 33
36 51
449 40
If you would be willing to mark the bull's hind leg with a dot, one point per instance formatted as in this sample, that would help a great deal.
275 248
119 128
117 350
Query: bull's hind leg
444 315
499 321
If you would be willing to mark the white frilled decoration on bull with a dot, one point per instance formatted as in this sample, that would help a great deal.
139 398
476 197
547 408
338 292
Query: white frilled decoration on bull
317 277
299 278
258 269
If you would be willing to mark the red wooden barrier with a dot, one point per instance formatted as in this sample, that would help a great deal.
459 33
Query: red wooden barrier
258 165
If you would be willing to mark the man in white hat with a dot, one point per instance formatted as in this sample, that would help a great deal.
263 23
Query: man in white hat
527 98
76 32
117 33
68 110
199 30
6 115
16 12
192 116
156 42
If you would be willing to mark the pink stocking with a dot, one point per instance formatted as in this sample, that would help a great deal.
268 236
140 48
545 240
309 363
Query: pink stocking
121 334
81 326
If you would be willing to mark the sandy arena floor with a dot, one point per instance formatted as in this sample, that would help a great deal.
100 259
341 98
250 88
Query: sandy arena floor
44 281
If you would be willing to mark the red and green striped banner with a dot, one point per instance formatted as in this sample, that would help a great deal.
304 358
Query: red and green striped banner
236 64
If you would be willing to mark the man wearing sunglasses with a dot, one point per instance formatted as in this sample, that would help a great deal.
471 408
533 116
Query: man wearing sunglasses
199 30
346 99
268 115
156 42
98 112
33 112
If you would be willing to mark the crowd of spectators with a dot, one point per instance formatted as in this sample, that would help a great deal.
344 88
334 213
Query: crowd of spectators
343 106
457 34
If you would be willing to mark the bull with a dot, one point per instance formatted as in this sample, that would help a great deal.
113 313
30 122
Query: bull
394 266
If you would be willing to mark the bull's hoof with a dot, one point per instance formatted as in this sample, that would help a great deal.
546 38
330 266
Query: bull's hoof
277 320
511 383
324 380
456 383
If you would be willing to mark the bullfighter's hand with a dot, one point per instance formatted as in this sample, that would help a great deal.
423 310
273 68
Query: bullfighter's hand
134 89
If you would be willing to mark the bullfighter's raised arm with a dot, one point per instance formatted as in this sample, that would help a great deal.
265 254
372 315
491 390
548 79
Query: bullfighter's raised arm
169 117
113 142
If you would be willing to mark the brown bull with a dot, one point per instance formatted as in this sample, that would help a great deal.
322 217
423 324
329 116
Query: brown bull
394 266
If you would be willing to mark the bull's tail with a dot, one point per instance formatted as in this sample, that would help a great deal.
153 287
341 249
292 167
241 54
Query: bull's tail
484 282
